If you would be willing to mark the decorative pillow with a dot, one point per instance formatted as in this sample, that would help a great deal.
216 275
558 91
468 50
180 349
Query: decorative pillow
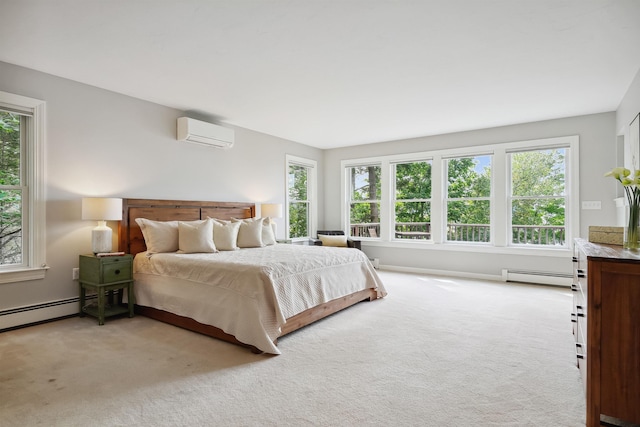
250 232
268 236
196 238
225 235
268 232
159 236
338 241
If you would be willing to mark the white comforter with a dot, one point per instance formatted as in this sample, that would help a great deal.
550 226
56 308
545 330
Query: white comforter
250 293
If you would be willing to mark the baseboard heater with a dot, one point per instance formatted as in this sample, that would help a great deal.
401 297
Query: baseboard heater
18 317
537 277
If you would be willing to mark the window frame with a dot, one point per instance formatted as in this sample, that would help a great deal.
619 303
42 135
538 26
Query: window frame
500 230
346 184
312 195
394 199
447 199
34 204
510 197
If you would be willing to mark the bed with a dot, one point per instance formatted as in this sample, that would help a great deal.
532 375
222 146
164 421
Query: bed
249 297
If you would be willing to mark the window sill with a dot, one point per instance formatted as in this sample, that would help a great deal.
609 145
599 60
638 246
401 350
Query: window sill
477 248
22 275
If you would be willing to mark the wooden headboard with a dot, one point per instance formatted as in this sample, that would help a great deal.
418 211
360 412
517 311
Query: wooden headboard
130 236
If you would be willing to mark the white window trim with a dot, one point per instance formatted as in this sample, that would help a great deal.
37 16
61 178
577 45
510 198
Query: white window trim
312 194
392 195
34 266
499 213
385 202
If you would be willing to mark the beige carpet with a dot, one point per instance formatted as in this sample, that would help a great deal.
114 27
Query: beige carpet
435 352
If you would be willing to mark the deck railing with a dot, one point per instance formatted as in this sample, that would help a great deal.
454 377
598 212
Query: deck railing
521 234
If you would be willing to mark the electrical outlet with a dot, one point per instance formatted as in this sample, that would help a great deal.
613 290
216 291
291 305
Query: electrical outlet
75 273
595 204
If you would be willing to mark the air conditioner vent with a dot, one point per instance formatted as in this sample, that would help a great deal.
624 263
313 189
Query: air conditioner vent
204 133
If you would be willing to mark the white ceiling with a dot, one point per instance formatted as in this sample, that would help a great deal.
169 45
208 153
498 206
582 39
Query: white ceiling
332 73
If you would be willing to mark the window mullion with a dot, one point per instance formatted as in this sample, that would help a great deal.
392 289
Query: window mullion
438 203
500 206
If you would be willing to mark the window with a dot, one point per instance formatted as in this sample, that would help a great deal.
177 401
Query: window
469 199
537 199
364 200
301 190
22 216
412 200
12 188
516 197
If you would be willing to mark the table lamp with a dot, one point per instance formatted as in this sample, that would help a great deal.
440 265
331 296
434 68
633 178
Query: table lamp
273 210
101 209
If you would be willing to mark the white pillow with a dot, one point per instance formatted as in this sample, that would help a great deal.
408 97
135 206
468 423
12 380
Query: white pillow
250 232
338 241
159 236
268 236
225 235
268 232
196 238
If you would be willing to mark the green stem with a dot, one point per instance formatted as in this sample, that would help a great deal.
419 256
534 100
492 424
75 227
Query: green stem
631 241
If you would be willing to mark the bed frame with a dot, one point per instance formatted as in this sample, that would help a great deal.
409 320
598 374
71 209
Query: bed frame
132 242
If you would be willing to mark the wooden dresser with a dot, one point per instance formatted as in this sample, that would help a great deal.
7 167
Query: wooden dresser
606 326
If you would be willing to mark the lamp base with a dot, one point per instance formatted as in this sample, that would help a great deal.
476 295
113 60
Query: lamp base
101 238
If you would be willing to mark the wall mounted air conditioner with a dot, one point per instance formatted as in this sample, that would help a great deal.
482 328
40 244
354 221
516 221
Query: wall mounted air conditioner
204 133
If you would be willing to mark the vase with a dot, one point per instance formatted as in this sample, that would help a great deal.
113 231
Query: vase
631 230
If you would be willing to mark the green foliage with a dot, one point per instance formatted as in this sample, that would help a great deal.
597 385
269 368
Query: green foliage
413 183
298 201
298 219
538 173
365 186
298 177
9 149
10 197
465 182
536 177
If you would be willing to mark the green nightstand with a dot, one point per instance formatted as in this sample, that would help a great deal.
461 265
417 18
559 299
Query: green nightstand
105 275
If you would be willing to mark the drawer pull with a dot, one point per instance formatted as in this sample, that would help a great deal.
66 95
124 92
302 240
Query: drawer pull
580 273
574 259
574 288
579 311
573 318
579 353
117 272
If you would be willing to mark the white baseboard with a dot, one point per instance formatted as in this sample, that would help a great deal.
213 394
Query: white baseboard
22 316
522 277
465 275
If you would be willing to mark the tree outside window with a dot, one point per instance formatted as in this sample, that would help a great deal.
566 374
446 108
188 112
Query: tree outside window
538 197
11 190
364 201
413 200
468 199
298 185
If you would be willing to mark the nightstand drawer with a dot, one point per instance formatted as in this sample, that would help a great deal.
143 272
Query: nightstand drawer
106 269
116 272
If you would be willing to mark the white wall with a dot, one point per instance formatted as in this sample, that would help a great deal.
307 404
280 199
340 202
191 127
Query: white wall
629 107
597 155
100 143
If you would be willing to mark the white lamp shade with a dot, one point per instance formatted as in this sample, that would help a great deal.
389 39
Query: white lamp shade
102 209
272 210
